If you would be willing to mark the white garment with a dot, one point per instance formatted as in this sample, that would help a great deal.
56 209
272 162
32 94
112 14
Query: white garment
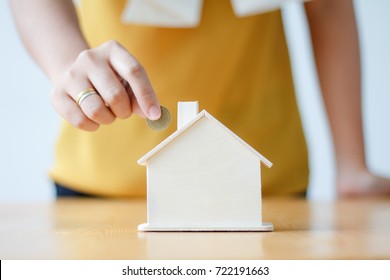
187 13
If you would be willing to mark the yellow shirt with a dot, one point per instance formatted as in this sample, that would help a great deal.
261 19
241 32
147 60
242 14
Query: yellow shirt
237 68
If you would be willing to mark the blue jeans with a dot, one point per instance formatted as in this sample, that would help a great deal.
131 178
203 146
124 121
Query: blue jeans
64 191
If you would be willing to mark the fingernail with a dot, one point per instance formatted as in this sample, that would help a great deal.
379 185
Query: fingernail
154 112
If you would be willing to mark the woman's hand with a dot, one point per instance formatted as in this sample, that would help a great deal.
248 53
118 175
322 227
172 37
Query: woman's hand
362 183
121 84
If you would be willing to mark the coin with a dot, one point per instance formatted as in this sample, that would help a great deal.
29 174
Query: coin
163 122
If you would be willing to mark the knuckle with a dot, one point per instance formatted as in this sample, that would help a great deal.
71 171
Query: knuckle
109 120
85 55
81 122
95 112
66 111
126 114
100 116
147 94
112 44
136 70
71 75
115 95
54 97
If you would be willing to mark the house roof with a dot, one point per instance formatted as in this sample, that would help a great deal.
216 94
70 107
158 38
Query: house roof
203 114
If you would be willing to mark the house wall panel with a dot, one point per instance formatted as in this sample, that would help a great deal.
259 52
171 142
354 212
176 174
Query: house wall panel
204 178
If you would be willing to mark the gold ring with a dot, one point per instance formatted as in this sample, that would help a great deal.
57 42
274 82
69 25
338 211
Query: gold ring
84 94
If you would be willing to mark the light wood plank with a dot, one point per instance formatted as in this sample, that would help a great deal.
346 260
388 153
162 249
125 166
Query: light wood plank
107 229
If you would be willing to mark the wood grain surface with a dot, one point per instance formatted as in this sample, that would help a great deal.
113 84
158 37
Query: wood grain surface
107 229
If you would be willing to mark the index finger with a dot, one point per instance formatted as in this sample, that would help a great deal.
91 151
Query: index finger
129 68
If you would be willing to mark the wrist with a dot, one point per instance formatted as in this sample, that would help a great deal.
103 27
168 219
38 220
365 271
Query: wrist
350 169
351 178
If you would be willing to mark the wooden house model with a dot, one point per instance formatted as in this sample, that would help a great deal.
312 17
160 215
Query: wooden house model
203 177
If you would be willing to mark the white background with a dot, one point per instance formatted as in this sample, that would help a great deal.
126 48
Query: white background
29 125
196 269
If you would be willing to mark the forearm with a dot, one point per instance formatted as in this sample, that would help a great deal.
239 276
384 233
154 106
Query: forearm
336 49
50 32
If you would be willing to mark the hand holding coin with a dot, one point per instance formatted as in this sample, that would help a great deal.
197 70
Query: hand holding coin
162 123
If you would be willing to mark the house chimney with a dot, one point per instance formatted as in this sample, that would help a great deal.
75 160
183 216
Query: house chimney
186 111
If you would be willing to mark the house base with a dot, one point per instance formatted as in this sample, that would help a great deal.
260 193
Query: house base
262 227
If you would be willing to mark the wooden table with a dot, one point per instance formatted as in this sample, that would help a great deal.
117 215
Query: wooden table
107 229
